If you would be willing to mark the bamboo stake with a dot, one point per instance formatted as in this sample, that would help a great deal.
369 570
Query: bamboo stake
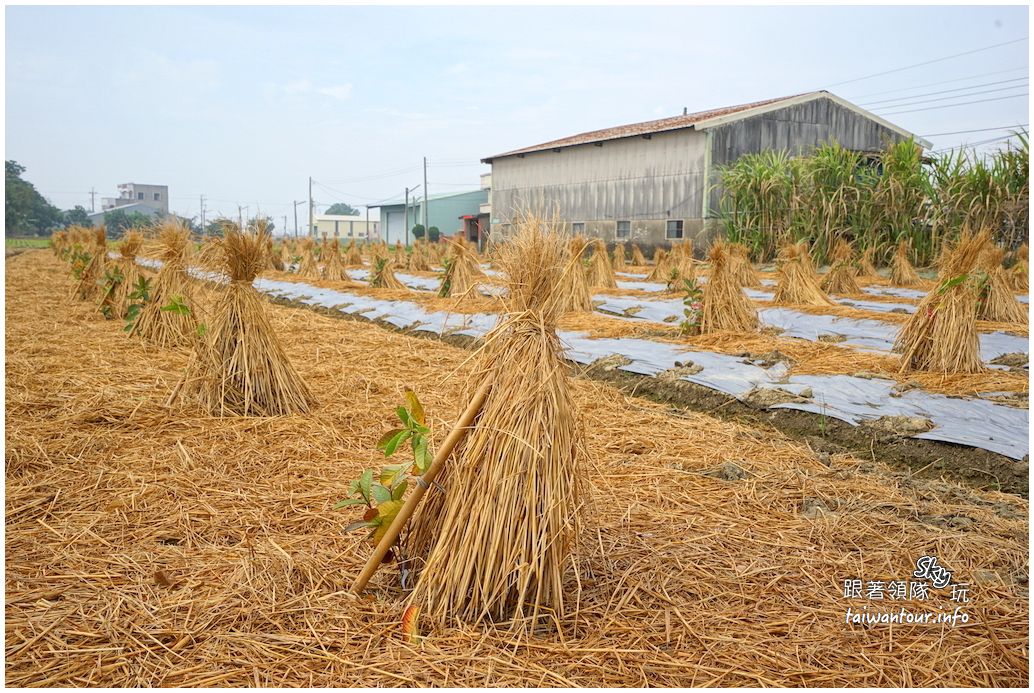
455 436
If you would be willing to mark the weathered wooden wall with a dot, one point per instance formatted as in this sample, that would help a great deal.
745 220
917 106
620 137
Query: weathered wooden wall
644 181
797 129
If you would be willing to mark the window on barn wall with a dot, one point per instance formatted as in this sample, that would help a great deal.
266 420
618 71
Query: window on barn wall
578 227
673 229
139 196
157 196
624 229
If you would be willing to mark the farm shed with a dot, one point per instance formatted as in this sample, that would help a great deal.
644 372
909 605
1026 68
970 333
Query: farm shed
654 182
444 211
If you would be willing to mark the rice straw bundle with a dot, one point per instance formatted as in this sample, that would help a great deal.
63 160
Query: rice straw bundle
797 281
724 305
88 286
309 267
240 368
619 258
661 267
502 537
418 259
1018 278
941 336
59 242
355 256
579 245
286 257
997 301
681 260
383 274
334 267
575 292
156 322
400 254
745 273
115 301
637 256
867 270
462 271
276 260
601 273
841 276
902 273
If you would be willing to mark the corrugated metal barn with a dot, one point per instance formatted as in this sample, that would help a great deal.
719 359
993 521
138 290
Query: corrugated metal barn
654 182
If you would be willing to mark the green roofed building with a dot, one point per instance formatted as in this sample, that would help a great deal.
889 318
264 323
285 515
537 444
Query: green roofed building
452 213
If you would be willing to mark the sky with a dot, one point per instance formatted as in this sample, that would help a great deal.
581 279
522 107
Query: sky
244 104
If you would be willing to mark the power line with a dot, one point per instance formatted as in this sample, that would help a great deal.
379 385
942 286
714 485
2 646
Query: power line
923 102
933 84
950 105
927 62
948 91
966 132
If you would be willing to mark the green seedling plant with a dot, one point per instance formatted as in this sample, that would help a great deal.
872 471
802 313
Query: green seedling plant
113 278
140 295
80 261
446 287
382 492
693 302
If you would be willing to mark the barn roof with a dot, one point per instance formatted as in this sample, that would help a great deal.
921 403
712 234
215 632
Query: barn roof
700 121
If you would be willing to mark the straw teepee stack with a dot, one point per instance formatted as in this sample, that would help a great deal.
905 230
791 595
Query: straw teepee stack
1018 278
997 301
333 266
115 300
169 319
637 256
92 274
841 276
902 273
797 281
419 259
661 271
575 292
354 257
309 267
866 269
619 258
240 368
462 271
498 544
383 274
742 267
724 306
941 336
601 272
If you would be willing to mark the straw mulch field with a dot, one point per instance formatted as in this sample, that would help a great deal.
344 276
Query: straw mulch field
147 546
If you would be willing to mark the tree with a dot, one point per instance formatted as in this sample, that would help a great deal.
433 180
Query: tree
342 208
215 227
270 225
418 231
117 222
25 210
433 234
78 216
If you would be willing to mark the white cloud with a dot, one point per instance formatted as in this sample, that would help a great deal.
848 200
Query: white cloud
339 92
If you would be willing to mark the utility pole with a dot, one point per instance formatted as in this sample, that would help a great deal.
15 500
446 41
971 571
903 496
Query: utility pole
202 215
406 213
240 218
426 235
367 223
296 203
285 225
310 206
92 194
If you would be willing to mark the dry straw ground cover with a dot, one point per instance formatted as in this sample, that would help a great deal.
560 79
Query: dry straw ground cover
149 547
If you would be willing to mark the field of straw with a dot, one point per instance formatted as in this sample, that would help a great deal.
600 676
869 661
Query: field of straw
152 546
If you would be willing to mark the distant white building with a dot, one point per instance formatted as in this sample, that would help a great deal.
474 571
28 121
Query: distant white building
97 218
346 227
154 196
